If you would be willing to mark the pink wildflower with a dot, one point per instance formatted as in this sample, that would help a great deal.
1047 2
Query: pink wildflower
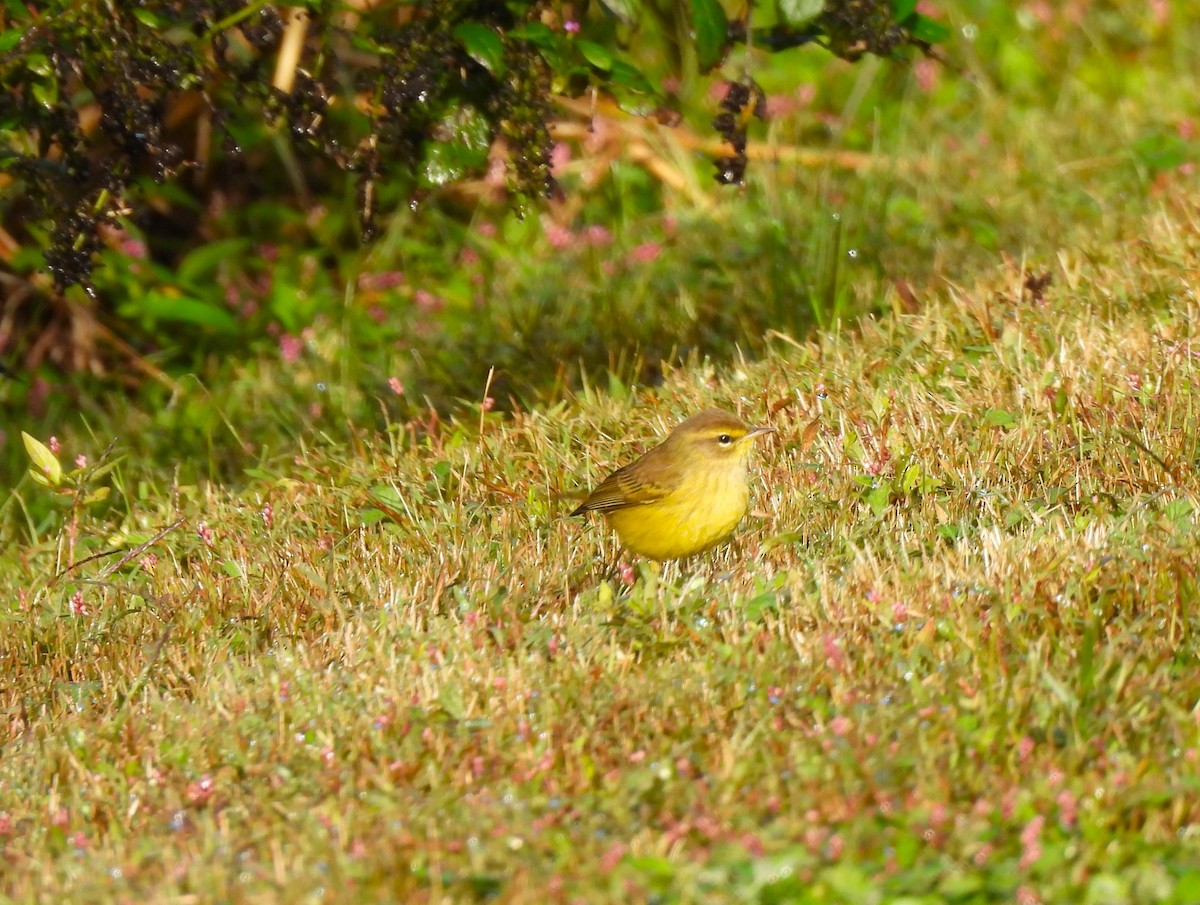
290 348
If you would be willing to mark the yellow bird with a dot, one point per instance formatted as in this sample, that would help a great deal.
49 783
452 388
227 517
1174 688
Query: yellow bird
685 495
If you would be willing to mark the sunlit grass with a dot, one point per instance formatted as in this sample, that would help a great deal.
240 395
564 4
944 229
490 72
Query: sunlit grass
951 654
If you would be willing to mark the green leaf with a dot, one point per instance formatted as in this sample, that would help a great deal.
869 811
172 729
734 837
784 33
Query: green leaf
653 867
797 12
631 89
202 263
596 54
9 40
931 31
625 10
483 44
231 568
185 309
46 94
536 33
1187 887
372 516
387 495
999 418
711 29
39 64
1161 151
879 498
99 495
46 462
628 76
147 18
450 699
467 137
902 9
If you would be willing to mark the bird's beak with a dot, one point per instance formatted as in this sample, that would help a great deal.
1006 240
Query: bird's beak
759 430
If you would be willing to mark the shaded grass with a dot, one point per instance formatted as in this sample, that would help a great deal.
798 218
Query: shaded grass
952 656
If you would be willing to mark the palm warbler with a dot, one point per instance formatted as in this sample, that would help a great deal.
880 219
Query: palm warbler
686 494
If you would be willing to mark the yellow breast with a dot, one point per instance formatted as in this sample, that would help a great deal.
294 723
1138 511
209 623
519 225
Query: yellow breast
687 521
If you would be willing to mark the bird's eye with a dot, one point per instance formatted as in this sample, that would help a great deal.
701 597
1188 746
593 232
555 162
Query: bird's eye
724 439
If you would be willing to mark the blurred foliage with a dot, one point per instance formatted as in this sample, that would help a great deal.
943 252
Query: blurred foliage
128 132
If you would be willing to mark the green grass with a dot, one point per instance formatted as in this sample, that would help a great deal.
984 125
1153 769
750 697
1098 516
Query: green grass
952 656
325 642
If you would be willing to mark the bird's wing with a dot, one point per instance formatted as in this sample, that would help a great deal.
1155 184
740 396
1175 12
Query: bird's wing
624 488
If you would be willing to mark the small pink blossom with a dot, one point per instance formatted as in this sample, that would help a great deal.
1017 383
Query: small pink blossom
833 653
560 156
611 858
571 27
427 301
377 282
268 514
840 726
487 229
199 792
396 386
290 348
597 235
497 173
1031 849
814 837
79 840
7 828
79 606
1068 808
557 235
489 403
81 461
205 533
927 72
54 445
1024 748
938 814
134 248
645 253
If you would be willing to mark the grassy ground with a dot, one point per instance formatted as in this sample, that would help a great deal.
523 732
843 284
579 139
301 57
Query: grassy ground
312 647
953 656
